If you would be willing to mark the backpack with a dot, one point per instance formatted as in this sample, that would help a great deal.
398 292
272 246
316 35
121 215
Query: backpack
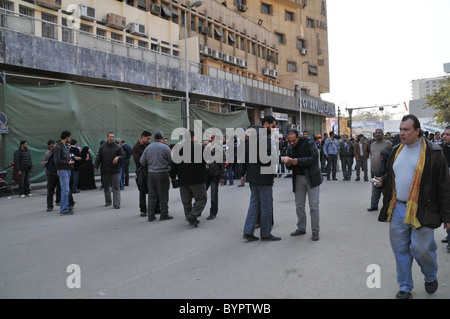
50 166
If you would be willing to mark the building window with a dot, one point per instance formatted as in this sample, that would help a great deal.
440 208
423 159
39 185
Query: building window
266 8
310 23
115 37
101 33
289 16
312 70
26 11
67 33
142 44
291 66
129 41
85 28
49 29
281 38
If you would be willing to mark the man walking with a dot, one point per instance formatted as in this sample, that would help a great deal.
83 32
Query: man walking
23 165
141 171
361 152
109 156
331 150
446 147
346 155
64 165
259 169
379 146
191 179
416 201
158 158
303 159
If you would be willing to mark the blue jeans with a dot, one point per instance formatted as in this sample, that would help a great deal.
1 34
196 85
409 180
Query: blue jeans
229 174
64 181
260 200
408 243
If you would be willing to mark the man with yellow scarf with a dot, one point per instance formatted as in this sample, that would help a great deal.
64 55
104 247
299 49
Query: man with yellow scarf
416 189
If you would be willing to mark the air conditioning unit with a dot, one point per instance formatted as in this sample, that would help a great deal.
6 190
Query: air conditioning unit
217 55
244 64
273 73
228 58
116 21
155 9
266 72
242 7
87 13
206 51
236 60
137 29
203 29
303 51
49 4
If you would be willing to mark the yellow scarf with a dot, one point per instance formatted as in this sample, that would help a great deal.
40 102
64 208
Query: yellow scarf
413 198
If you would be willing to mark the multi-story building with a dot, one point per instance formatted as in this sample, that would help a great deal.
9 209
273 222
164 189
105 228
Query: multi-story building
240 54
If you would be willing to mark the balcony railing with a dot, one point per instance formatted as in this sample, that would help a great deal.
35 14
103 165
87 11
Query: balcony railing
55 32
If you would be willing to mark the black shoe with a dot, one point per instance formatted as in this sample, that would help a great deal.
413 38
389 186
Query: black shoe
49 209
106 205
192 220
271 238
151 218
298 232
142 214
165 217
315 236
366 179
211 216
431 287
403 295
117 207
328 179
335 179
250 237
372 209
445 240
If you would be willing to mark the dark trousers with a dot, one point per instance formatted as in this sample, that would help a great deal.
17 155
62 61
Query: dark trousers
196 192
24 182
158 190
214 183
52 185
347 163
331 165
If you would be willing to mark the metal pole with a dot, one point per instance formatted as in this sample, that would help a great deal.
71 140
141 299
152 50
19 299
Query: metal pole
186 68
300 94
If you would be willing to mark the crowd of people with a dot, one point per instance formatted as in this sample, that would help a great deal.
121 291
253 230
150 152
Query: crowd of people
409 170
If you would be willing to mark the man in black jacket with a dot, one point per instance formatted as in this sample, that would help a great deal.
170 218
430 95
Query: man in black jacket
303 159
109 155
191 178
259 167
23 166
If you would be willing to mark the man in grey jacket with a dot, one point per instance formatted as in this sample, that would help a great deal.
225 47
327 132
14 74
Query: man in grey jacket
158 157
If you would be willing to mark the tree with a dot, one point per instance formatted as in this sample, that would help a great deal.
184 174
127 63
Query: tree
440 101
373 115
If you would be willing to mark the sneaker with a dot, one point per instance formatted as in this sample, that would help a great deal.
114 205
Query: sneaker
431 287
372 209
211 216
165 217
22 196
30 195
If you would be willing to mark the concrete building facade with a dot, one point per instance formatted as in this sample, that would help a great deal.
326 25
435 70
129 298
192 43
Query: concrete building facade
240 54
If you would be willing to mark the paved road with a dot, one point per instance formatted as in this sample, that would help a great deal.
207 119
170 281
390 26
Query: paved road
121 255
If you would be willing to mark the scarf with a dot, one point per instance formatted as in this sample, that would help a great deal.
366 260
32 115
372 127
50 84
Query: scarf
413 197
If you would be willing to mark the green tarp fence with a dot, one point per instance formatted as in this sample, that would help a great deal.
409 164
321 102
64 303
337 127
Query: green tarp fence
37 114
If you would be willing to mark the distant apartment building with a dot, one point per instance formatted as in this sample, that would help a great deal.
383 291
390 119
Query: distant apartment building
242 54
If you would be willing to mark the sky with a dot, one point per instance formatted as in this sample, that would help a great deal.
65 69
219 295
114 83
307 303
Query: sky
376 48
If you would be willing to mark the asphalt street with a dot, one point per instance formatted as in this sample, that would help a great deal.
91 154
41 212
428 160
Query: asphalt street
106 253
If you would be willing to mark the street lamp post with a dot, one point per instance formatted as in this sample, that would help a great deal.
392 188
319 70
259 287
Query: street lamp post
195 3
300 93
